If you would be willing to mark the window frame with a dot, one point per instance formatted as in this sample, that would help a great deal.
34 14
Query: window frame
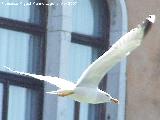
98 42
7 79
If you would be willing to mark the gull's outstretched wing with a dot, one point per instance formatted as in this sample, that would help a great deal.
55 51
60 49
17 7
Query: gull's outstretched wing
60 83
127 43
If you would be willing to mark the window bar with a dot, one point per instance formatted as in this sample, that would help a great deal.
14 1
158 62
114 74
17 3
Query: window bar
76 110
5 100
21 26
88 40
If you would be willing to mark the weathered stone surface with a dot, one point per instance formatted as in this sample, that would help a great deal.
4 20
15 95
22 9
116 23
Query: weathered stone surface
143 69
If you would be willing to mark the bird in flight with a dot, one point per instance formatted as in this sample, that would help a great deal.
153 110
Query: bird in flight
86 89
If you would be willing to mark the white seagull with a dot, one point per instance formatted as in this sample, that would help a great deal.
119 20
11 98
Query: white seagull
86 89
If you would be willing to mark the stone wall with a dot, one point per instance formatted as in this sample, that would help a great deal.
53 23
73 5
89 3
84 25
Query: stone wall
143 65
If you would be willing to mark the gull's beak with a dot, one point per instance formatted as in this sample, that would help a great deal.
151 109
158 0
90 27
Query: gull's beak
147 24
113 100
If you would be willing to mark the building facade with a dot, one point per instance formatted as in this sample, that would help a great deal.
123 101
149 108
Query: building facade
61 38
143 99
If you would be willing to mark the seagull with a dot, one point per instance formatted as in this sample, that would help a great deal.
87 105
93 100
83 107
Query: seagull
86 89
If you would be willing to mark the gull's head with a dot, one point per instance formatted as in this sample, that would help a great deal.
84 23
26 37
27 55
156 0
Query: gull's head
114 100
105 97
111 99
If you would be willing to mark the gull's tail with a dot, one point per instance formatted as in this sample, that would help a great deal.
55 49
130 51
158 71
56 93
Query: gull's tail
62 92
53 92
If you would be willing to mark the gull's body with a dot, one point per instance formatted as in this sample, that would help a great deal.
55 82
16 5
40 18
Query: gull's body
86 89
90 95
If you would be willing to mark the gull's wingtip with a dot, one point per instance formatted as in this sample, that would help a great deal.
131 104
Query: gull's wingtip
151 18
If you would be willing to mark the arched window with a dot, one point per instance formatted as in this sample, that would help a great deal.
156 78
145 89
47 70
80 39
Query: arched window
90 33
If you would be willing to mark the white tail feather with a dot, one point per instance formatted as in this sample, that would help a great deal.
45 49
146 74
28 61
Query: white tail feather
52 92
